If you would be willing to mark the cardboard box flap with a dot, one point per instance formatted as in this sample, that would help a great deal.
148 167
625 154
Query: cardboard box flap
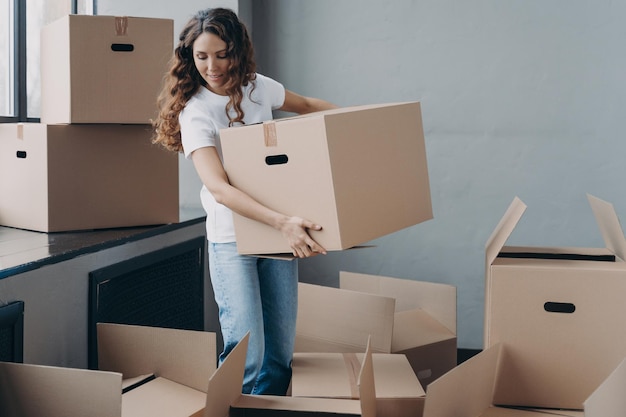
439 300
319 330
162 398
504 229
417 328
226 382
467 390
35 390
367 390
609 225
608 400
183 356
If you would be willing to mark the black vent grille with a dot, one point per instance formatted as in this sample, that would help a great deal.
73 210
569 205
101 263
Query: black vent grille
164 288
12 332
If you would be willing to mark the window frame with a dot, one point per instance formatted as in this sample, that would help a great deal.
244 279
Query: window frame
20 95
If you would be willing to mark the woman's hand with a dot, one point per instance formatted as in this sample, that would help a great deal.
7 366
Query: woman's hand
295 230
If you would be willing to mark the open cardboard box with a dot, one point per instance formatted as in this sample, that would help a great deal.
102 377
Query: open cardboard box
335 375
224 397
182 362
424 325
471 390
360 172
559 311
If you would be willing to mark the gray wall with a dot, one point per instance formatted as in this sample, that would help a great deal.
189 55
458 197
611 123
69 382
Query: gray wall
519 97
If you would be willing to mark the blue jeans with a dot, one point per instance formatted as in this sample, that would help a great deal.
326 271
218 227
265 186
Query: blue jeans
260 296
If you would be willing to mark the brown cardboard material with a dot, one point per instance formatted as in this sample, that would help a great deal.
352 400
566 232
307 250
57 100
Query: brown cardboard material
360 172
224 397
335 375
103 69
335 320
469 390
557 317
424 326
183 361
79 177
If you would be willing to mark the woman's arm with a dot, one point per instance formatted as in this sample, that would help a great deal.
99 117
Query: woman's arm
211 171
295 103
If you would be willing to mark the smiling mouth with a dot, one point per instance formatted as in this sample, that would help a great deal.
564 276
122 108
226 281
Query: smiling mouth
214 77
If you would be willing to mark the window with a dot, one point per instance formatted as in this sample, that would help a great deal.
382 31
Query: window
22 21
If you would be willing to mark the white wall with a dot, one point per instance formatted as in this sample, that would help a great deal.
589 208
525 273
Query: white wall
519 97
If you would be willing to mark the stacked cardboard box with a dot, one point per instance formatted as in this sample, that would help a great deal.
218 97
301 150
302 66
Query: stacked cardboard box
90 163
553 342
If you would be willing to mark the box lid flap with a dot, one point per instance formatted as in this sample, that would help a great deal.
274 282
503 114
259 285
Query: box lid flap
225 384
504 229
609 225
33 390
414 328
465 390
438 299
184 356
608 399
360 315
162 398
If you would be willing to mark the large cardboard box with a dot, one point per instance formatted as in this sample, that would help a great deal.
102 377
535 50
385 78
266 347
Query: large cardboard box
224 397
424 325
335 375
558 311
470 390
182 361
76 177
360 172
103 69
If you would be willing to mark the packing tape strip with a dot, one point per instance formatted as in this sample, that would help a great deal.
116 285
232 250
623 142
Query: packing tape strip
353 366
121 25
20 131
269 133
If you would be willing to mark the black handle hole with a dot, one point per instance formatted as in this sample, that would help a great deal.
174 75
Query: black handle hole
554 307
21 154
122 47
276 159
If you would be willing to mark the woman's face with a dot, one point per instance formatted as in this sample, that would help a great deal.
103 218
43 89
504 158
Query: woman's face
211 59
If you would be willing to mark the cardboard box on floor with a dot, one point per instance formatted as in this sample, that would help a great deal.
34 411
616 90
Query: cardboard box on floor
335 375
424 325
182 361
103 69
470 390
558 311
360 172
78 177
415 318
224 397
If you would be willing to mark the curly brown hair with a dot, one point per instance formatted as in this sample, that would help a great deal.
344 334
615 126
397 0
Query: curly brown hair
183 80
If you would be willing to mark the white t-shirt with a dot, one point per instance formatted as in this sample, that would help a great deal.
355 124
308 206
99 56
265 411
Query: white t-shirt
200 123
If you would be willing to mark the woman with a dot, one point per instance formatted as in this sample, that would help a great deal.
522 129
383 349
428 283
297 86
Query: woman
213 84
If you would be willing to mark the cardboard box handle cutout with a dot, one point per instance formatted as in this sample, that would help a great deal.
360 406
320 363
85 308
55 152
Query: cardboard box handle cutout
122 47
555 307
276 159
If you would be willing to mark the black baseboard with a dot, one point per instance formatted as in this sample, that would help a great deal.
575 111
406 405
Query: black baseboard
464 354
